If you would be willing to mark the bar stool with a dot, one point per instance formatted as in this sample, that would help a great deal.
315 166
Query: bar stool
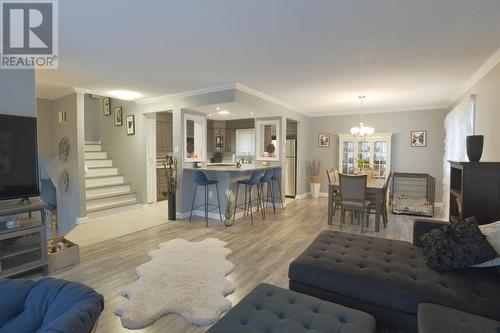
277 178
266 179
254 180
200 179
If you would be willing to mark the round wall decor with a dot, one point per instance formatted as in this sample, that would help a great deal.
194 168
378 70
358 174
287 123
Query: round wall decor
63 182
64 149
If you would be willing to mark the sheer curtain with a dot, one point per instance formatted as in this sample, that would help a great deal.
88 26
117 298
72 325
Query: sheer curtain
458 124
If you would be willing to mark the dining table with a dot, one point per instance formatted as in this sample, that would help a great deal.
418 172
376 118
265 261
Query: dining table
374 189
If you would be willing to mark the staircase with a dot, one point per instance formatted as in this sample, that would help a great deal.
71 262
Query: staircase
106 190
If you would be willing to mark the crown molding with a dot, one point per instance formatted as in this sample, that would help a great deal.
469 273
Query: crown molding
488 65
269 98
184 94
65 92
388 110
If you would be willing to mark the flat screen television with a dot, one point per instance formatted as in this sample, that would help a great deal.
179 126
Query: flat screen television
18 157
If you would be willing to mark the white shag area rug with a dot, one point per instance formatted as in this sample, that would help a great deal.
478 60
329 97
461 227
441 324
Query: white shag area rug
187 278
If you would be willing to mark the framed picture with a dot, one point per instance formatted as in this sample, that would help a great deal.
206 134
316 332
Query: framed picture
130 122
324 140
118 116
418 138
106 106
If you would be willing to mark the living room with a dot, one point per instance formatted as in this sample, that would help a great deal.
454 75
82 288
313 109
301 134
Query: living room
333 168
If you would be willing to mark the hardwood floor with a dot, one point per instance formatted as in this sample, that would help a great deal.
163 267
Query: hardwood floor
261 253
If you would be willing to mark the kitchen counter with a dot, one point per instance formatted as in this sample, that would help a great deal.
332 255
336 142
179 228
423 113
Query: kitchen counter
227 168
227 177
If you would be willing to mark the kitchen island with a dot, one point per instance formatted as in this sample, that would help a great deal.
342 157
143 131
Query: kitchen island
227 175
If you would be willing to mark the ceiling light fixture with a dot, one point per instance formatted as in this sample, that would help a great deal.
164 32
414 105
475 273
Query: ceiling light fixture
251 112
210 115
217 108
362 131
125 94
223 112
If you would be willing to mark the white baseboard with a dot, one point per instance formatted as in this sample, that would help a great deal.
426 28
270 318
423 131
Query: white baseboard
82 220
303 195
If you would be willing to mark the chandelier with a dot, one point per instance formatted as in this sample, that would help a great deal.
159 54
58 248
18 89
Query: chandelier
362 131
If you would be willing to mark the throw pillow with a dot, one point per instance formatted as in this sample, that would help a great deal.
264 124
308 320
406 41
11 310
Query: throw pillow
492 233
456 246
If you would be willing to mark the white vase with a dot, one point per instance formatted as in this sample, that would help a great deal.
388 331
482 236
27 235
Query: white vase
315 190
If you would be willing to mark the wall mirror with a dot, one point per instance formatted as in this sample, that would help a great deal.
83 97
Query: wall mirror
194 134
267 140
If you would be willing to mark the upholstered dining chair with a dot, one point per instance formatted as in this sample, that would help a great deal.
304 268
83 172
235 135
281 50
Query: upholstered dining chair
331 175
373 203
353 196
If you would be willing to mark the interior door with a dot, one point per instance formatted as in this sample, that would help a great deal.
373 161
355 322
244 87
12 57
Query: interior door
151 160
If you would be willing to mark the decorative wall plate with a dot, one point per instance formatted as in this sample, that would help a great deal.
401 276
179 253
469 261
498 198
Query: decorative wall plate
63 181
64 149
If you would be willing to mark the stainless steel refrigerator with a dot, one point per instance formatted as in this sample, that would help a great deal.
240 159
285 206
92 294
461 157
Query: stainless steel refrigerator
291 168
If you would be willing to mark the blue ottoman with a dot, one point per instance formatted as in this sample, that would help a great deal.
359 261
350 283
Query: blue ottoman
48 305
271 309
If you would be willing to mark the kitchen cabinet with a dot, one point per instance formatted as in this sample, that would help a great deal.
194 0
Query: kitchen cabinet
164 136
210 139
219 139
376 149
161 185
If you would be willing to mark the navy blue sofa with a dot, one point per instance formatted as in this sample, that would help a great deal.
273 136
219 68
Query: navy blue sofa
48 306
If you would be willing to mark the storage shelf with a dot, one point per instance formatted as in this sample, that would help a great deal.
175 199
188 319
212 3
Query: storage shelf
19 250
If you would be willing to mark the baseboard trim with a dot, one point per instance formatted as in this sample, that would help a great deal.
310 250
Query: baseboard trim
303 195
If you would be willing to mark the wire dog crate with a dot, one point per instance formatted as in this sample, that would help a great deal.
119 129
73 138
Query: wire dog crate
413 194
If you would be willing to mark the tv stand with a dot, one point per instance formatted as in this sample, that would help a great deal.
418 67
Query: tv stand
23 242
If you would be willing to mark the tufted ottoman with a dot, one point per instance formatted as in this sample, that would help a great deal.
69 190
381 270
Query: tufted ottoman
48 306
436 318
388 279
271 309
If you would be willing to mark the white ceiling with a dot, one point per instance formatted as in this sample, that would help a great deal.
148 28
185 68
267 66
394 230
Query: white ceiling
315 55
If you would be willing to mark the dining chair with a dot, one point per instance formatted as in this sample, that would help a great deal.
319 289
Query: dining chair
383 203
331 175
353 196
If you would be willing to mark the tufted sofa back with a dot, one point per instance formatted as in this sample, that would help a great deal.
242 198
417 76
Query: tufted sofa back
48 305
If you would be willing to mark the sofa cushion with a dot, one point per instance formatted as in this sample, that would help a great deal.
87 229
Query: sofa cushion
436 318
392 274
48 305
456 246
271 309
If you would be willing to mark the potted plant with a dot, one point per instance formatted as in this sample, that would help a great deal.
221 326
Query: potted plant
228 213
170 165
363 166
313 171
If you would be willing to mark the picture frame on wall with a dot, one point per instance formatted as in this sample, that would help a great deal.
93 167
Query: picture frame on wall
118 116
418 138
130 123
106 106
324 140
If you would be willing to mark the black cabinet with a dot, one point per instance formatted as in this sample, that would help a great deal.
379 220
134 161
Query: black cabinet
475 191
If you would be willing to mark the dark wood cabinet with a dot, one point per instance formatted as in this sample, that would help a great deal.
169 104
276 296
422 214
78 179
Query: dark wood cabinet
475 191
164 136
161 183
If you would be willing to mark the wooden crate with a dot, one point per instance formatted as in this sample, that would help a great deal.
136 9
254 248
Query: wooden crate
64 258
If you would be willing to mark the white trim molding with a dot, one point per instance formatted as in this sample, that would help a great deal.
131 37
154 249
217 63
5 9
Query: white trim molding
488 65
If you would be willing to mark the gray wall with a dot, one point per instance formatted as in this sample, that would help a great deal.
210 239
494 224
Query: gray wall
17 93
92 117
70 205
404 158
487 112
127 151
